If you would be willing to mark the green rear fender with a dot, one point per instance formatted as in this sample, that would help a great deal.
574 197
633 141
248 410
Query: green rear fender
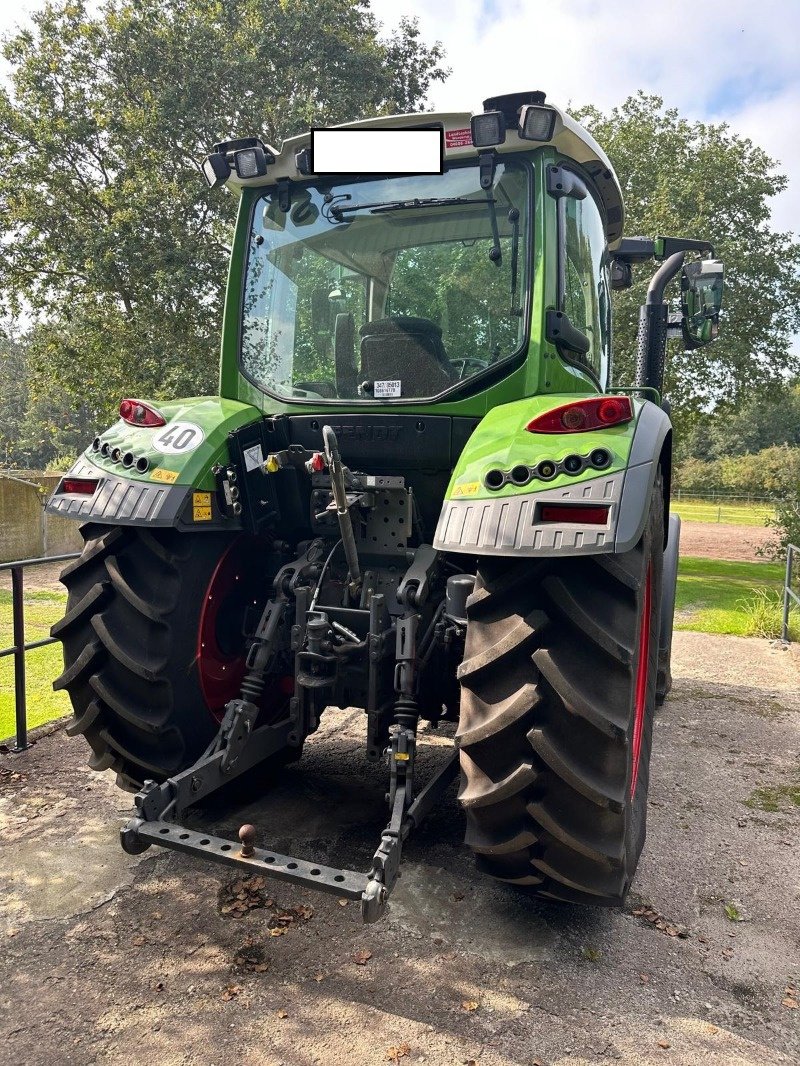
507 481
158 476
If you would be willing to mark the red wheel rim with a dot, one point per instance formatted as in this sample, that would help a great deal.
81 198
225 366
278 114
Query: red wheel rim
642 678
221 661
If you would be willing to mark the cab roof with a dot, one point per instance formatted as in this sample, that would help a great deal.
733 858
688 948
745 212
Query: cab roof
569 138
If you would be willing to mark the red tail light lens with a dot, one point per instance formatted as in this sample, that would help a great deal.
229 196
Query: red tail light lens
139 413
83 485
581 513
593 412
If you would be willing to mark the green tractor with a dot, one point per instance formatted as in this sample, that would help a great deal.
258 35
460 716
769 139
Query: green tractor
414 494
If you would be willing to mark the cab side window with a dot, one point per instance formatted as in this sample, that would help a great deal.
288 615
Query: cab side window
585 282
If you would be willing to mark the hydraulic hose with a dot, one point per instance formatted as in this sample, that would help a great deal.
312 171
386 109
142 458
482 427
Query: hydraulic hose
342 510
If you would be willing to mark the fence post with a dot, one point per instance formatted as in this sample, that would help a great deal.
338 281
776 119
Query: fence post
20 707
786 586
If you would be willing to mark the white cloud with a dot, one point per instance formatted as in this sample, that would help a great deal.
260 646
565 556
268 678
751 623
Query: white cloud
716 60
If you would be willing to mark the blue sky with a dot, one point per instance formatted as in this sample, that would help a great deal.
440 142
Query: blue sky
726 60
720 60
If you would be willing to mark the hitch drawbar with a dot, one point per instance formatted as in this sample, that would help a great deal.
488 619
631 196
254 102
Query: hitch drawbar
239 745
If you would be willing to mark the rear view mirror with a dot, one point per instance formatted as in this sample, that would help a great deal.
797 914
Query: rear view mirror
701 300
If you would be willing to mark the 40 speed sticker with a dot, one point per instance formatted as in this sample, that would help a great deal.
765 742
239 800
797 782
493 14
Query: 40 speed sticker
178 438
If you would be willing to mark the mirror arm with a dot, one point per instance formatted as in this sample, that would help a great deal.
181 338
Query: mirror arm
651 339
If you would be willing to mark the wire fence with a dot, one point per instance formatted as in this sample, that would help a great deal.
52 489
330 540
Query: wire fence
718 496
723 507
790 596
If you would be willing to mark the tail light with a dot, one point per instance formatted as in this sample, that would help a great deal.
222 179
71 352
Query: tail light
593 412
85 486
139 413
583 514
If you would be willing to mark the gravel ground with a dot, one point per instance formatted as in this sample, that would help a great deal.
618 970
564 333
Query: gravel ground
163 959
717 540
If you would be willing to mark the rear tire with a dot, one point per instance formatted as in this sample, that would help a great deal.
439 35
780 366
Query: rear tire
558 692
133 643
670 580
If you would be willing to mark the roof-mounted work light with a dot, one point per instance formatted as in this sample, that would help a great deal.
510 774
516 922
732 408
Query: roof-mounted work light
247 155
302 160
216 169
251 162
536 123
488 129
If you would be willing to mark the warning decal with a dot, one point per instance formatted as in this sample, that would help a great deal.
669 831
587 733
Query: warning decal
458 138
253 457
201 506
169 477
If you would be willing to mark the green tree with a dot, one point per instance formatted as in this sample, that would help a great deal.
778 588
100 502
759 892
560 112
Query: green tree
111 238
696 179
760 422
13 397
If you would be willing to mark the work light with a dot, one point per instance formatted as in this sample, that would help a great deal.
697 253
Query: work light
216 169
250 162
536 123
488 129
302 160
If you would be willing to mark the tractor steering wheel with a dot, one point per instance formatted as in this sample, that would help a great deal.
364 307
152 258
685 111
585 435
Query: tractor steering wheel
468 366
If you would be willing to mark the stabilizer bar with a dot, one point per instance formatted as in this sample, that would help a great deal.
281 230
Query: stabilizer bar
347 883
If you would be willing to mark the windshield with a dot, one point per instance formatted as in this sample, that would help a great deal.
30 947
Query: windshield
395 288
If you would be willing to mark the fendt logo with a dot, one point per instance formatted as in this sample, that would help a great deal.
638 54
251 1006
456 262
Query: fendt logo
369 433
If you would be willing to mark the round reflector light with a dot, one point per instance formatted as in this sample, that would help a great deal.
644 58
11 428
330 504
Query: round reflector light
573 418
611 411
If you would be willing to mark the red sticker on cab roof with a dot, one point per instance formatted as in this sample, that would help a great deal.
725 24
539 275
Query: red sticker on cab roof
458 138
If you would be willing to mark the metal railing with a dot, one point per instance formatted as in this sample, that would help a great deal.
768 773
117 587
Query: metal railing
19 648
788 592
712 495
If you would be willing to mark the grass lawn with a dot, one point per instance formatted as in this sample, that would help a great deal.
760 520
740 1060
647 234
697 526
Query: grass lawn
711 591
42 608
736 514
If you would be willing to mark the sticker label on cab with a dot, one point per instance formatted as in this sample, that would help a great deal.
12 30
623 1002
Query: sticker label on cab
458 138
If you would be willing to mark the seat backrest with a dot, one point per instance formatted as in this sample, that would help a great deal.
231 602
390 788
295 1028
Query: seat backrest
408 350
344 355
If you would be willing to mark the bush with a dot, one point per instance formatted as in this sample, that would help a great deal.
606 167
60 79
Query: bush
764 613
772 472
786 523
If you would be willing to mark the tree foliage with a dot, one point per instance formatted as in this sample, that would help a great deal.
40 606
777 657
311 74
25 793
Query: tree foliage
761 422
695 179
773 472
111 238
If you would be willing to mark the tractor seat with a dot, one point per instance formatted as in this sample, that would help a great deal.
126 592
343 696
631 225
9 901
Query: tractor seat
408 350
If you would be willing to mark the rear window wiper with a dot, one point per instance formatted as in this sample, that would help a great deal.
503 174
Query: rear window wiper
338 210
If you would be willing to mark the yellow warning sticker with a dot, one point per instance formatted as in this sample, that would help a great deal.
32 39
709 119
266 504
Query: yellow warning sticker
167 476
201 506
468 488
